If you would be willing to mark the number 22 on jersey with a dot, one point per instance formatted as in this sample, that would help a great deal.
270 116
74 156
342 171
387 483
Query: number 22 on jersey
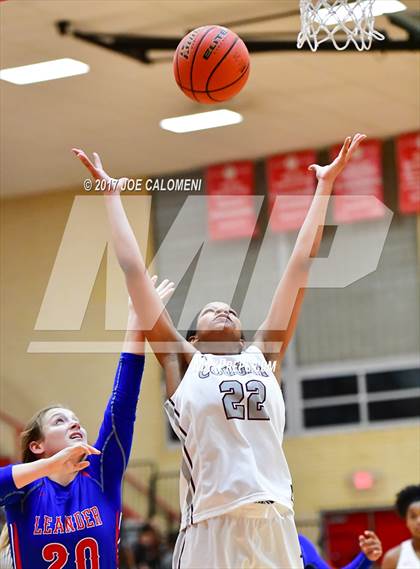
254 409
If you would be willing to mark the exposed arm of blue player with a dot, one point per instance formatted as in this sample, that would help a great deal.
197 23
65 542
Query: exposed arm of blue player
278 328
16 476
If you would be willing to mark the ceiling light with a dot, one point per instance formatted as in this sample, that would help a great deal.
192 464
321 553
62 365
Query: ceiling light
201 121
45 71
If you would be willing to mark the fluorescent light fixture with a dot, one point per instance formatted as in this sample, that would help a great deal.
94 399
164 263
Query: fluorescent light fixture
201 121
342 13
45 71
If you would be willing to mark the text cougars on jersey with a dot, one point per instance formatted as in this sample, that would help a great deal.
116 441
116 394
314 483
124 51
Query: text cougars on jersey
230 369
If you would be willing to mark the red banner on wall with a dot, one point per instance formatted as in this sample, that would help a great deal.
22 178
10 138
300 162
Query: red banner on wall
361 177
288 176
230 202
408 164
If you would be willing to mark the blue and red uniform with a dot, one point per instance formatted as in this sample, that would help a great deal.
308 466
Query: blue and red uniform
77 526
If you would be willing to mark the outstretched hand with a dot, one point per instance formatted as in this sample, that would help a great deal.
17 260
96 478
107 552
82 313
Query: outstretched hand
97 171
72 458
165 290
331 171
371 545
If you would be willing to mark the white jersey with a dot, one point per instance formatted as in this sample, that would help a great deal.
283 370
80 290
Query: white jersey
229 415
6 561
408 558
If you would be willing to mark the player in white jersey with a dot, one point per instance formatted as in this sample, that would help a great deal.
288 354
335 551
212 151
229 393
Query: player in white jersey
407 554
225 403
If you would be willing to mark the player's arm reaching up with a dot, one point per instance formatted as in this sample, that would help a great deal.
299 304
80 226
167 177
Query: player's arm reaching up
277 329
171 349
116 432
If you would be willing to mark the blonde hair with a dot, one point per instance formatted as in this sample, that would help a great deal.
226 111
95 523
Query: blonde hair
33 431
4 538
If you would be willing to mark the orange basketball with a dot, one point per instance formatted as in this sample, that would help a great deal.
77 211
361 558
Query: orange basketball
211 64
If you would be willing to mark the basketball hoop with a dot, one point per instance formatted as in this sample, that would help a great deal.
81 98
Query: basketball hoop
327 20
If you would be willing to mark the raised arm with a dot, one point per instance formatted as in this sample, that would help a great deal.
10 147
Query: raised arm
116 432
278 328
133 342
157 326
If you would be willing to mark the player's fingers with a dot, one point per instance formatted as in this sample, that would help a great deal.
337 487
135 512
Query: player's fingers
164 293
344 148
167 293
168 286
164 296
77 448
161 288
92 450
82 156
357 139
154 279
346 143
81 465
97 160
85 160
372 551
313 167
84 449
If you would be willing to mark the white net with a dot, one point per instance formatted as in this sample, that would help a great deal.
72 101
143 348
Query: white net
339 21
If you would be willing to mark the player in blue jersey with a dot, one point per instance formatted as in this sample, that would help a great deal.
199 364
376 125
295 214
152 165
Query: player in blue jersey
369 543
63 503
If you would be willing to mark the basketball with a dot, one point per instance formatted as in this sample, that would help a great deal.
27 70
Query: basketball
211 64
